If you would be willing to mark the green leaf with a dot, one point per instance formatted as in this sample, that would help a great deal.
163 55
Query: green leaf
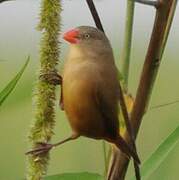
11 85
75 176
159 155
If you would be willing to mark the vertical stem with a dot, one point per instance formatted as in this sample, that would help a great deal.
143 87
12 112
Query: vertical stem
162 48
42 129
126 52
152 61
163 44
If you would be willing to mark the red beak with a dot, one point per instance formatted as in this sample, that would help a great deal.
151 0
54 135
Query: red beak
71 36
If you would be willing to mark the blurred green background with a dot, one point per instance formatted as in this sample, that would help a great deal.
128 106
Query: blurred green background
19 38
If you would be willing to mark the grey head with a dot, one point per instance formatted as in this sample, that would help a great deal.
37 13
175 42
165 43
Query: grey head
88 38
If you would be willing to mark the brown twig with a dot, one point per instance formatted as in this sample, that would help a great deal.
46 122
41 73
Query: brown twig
129 129
150 68
95 15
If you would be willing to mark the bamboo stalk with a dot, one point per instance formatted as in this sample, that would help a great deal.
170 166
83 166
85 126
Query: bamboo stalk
152 61
42 128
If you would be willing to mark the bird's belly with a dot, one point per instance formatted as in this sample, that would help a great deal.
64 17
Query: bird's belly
81 110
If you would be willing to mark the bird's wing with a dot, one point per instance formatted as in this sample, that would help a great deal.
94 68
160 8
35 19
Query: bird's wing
109 112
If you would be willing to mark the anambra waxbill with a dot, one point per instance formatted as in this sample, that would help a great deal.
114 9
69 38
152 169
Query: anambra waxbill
91 88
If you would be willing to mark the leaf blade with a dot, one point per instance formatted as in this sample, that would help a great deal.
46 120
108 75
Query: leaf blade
158 156
11 85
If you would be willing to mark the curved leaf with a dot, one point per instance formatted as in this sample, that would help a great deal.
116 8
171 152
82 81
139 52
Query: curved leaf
11 85
159 155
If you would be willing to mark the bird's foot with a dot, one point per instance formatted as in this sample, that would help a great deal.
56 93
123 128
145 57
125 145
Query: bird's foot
52 78
42 148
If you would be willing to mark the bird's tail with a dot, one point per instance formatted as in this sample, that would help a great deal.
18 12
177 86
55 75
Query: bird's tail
126 149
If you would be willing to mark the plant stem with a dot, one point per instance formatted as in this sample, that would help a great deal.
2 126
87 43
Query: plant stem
42 129
95 15
162 45
126 52
169 23
153 58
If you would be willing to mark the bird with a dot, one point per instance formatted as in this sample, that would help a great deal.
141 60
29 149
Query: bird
90 90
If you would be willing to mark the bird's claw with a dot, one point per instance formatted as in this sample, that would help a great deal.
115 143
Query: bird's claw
52 77
42 148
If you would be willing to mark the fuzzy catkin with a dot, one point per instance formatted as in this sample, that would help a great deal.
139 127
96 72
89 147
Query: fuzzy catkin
44 95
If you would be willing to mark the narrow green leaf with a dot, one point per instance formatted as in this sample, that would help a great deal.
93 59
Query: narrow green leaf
11 85
159 155
75 176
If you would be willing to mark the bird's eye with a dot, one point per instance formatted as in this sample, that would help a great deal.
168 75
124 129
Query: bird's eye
87 36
